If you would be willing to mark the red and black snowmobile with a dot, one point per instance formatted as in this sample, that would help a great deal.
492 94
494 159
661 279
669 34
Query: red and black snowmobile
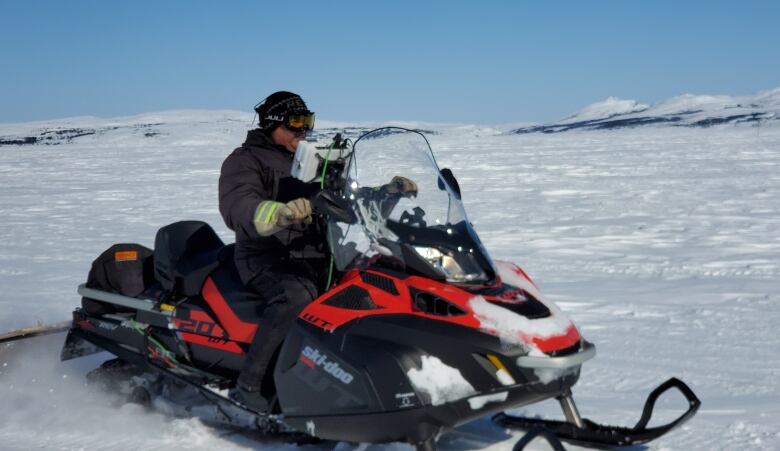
421 332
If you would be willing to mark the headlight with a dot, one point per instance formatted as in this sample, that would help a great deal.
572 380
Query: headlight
460 267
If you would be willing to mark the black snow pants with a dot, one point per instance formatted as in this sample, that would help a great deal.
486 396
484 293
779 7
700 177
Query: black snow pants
287 286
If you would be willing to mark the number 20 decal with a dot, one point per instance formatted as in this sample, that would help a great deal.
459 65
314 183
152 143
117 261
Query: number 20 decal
195 326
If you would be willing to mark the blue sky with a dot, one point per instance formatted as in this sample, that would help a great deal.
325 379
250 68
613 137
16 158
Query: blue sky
471 62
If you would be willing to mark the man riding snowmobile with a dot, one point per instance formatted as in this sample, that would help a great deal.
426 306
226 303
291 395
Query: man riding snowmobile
279 250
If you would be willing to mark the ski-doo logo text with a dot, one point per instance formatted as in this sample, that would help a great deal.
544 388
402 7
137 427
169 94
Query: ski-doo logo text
312 357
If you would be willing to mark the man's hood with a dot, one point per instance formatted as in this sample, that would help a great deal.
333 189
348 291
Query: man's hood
258 138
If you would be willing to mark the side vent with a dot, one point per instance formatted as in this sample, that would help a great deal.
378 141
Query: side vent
523 304
434 305
351 298
383 283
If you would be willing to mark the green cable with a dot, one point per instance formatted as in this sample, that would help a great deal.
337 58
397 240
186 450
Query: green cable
137 327
325 167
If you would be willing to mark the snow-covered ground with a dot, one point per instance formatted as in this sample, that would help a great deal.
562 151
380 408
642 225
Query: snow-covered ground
661 243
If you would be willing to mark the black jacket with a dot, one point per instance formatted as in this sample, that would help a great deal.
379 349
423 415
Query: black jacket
260 170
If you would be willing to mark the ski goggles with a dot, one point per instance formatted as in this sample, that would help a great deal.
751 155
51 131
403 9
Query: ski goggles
299 122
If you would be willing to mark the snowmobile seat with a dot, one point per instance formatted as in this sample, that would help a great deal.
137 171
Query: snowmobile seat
185 253
247 304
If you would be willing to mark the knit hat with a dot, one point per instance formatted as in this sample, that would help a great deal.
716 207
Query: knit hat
278 106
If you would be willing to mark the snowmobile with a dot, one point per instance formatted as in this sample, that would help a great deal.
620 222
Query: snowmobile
419 332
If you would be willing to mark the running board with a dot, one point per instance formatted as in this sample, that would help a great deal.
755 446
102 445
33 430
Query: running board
594 434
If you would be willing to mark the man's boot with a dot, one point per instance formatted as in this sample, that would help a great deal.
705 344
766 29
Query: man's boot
250 398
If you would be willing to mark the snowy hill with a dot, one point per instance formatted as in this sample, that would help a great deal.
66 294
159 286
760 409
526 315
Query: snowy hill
682 111
164 128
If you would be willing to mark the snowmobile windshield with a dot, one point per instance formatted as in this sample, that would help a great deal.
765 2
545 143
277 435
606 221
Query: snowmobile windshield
408 215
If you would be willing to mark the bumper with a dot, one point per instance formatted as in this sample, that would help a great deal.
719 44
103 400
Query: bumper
587 352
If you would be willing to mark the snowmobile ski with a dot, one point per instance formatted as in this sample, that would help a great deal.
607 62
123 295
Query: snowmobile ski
582 431
539 431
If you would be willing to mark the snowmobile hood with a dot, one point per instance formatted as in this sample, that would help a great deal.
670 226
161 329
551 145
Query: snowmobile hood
513 310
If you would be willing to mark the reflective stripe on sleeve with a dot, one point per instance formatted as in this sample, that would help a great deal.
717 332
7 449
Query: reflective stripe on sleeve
265 212
271 218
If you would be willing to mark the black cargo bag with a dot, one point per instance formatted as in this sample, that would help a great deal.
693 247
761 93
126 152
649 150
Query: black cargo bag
126 269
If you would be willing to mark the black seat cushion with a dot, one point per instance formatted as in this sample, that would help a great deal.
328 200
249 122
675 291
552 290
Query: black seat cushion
185 253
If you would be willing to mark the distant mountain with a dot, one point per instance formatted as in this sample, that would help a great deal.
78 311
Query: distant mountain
168 127
230 127
130 130
682 111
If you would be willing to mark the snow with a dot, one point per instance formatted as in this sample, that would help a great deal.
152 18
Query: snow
47 406
478 402
515 329
661 244
442 383
689 102
769 98
612 106
504 377
547 375
711 106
